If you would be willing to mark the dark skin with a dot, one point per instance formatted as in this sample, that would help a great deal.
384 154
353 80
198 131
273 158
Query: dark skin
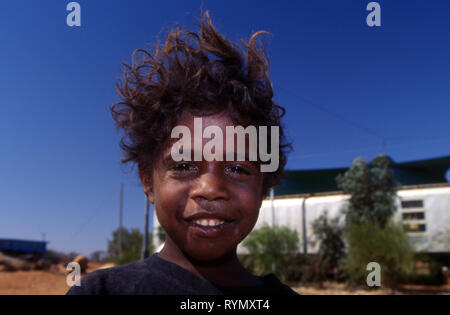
231 190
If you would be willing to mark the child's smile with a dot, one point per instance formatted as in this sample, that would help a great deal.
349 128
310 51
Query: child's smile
210 224
206 208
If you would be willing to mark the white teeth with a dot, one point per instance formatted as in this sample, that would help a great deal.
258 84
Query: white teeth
208 222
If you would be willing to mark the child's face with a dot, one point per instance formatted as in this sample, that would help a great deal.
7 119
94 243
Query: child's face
185 194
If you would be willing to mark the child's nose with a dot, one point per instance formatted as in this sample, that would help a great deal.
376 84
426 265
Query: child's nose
211 187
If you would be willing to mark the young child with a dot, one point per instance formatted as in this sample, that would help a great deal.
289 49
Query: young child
206 206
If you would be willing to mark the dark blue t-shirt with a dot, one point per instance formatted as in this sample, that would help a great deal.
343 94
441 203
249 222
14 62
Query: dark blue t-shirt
158 276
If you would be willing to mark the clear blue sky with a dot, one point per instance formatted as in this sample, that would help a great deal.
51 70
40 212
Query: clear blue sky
345 86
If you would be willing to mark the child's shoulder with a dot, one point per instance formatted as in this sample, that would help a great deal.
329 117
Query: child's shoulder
153 275
276 287
115 280
270 286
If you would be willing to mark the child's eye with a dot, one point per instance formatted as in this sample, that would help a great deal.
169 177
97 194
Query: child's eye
237 169
183 167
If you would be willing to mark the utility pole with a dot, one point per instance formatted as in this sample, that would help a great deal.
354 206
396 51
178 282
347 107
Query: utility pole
145 243
120 219
272 197
304 226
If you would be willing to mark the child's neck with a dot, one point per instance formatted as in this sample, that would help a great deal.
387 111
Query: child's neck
226 271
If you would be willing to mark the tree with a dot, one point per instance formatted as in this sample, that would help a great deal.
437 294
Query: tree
270 246
372 190
161 234
370 232
98 255
55 257
71 256
331 249
131 246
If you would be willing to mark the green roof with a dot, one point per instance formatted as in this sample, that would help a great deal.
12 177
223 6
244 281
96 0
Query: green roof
430 171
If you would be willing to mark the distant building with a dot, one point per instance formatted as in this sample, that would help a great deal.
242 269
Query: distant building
423 202
37 249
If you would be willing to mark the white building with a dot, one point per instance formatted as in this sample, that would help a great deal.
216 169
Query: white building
424 209
423 203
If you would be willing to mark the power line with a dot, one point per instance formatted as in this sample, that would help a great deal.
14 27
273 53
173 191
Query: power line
324 154
338 116
120 219
91 216
331 113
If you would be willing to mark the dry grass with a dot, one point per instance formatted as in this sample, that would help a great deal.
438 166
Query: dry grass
333 288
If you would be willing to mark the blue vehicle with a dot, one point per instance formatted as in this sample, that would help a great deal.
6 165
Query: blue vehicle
36 249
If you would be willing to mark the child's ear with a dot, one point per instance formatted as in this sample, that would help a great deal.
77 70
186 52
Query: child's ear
147 184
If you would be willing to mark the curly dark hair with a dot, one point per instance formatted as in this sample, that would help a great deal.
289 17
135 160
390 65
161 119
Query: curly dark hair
202 73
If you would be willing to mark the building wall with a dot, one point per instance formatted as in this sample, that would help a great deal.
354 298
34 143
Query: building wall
436 208
288 212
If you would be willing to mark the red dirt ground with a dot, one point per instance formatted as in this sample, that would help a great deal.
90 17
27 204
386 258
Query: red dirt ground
54 283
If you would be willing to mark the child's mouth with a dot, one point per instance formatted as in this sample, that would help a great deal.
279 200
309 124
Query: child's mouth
208 227
208 222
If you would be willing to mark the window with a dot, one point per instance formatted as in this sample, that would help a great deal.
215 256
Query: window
415 227
413 216
412 204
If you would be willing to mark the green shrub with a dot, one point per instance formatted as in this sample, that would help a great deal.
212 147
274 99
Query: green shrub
331 249
270 248
132 241
388 246
427 270
55 257
302 268
161 234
